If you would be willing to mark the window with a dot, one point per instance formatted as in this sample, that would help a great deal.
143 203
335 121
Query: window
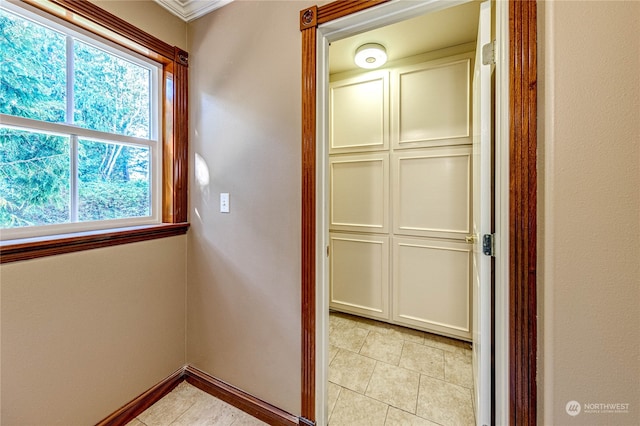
80 139
66 144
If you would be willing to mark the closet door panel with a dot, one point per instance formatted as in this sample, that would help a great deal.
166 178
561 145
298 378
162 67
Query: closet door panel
359 274
359 118
432 285
432 192
359 188
431 104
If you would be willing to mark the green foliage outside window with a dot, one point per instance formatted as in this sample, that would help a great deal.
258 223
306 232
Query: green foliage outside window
110 94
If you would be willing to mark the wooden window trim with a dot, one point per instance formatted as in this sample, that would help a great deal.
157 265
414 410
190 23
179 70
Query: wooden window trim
522 199
175 63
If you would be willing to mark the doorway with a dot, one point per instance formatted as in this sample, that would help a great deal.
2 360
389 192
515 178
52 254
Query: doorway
395 236
516 103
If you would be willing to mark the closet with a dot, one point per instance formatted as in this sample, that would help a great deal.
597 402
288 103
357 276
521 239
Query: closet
400 195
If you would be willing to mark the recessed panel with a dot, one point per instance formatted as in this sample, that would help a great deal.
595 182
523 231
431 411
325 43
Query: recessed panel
431 286
432 192
359 192
359 114
359 274
433 103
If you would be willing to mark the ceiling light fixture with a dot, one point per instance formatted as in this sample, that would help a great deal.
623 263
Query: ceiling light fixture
371 55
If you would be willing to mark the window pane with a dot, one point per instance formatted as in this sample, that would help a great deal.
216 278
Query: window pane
32 70
34 178
110 93
114 181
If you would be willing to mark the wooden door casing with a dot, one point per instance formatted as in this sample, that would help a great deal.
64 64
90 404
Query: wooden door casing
522 198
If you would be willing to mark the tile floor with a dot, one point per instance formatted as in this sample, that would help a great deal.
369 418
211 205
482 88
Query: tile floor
187 405
382 374
379 374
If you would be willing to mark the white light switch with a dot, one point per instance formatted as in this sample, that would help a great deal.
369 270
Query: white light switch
224 202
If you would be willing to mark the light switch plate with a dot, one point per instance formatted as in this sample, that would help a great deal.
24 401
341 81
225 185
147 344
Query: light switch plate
224 202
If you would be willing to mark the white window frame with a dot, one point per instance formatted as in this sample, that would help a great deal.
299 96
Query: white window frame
154 142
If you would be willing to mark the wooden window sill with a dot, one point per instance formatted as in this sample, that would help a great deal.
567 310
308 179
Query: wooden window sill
32 248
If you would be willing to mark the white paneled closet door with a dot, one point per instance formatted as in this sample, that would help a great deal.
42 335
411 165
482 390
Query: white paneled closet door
359 114
431 288
400 195
431 260
359 274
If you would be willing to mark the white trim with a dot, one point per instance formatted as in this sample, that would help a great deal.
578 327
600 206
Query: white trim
386 14
75 133
501 209
322 228
62 129
188 10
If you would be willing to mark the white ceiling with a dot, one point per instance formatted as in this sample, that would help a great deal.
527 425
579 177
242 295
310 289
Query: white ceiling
433 31
188 10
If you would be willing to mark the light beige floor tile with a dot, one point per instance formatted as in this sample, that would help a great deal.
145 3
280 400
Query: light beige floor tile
172 406
208 411
397 417
349 338
447 344
394 386
458 369
353 409
135 422
351 370
332 352
339 320
406 334
333 392
444 403
382 347
424 359
244 419
369 324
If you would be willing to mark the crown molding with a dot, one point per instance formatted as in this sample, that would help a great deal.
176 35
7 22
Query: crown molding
188 10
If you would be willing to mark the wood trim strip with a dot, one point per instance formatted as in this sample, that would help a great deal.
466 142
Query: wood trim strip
134 408
239 399
168 143
35 248
338 9
113 23
308 403
522 211
180 136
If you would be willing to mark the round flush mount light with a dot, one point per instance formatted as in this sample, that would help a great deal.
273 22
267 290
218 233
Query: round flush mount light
371 55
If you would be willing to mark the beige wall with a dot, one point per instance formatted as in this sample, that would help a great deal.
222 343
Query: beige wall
244 267
590 209
117 315
85 333
150 17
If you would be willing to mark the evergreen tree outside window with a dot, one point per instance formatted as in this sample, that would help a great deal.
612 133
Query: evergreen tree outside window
79 130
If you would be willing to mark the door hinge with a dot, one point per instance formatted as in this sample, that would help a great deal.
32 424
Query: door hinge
327 251
306 422
489 244
489 53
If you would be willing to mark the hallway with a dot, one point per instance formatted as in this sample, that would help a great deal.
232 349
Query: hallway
382 374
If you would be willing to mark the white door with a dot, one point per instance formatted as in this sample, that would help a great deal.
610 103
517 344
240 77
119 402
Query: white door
482 222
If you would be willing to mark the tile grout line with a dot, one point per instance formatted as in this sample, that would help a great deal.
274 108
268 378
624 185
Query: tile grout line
334 404
182 414
369 381
386 414
441 347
